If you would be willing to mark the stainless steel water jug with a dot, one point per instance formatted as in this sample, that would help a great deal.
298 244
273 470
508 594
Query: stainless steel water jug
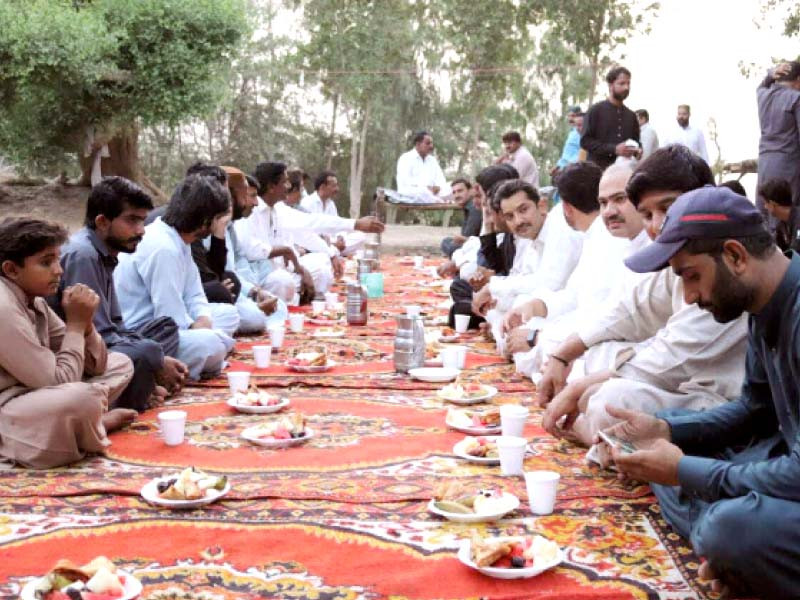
409 344
357 311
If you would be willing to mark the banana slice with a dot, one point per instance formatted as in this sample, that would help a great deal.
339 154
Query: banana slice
452 507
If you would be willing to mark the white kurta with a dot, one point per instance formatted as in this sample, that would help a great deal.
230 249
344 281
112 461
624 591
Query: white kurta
415 175
353 240
525 164
691 137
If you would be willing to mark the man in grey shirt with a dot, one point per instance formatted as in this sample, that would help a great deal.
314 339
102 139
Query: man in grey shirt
779 116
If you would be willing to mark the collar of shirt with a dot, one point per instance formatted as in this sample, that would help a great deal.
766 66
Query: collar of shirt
102 249
770 317
37 306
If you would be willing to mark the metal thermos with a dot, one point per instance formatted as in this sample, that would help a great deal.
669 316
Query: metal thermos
409 344
357 311
365 265
372 252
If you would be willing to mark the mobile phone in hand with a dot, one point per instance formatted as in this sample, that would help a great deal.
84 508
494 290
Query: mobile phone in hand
618 443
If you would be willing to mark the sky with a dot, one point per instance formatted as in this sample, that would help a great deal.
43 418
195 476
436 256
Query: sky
692 56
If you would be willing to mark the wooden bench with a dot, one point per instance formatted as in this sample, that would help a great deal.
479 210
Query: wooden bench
387 211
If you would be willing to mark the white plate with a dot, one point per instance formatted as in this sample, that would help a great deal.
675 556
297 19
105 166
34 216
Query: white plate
150 493
434 374
329 322
250 436
313 369
259 410
132 588
510 573
328 334
473 430
512 504
488 392
481 460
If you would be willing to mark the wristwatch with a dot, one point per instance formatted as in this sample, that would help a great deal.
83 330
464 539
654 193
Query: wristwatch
532 337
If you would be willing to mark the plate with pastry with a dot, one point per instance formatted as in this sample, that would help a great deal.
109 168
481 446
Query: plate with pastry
326 317
328 332
510 557
310 360
256 401
99 579
290 430
478 422
466 393
480 450
190 488
455 501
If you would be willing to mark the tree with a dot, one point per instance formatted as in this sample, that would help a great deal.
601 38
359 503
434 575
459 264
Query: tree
73 71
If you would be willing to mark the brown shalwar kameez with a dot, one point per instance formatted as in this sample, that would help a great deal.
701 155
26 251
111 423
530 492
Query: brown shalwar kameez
49 414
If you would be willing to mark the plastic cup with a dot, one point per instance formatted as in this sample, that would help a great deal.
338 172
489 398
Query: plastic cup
296 321
450 357
512 452
419 262
462 355
331 298
238 381
462 323
542 488
262 355
173 426
317 306
276 336
512 419
413 310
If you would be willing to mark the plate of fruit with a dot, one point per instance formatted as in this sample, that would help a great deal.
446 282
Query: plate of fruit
310 360
510 557
326 317
455 502
257 402
481 450
466 393
288 431
478 422
190 488
99 579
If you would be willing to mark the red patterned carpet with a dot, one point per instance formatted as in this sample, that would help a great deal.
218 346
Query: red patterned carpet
345 515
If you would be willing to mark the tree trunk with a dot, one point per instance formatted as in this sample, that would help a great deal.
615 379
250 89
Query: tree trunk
123 161
331 136
357 152
472 137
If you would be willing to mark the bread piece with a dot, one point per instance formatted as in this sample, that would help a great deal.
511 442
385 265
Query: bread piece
485 553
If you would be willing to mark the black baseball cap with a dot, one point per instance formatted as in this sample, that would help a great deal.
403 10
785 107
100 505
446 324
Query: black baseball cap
705 213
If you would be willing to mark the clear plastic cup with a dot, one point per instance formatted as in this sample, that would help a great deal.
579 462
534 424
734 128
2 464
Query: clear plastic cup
461 351
296 321
238 381
262 356
419 262
276 336
462 323
317 306
542 489
450 357
512 453
173 426
413 310
512 419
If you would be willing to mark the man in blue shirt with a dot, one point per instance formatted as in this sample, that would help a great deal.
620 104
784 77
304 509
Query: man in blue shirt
728 478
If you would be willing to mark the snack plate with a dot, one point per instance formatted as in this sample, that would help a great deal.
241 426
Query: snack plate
481 460
317 321
512 504
464 555
328 333
132 588
258 410
312 368
472 429
434 374
150 493
251 437
488 392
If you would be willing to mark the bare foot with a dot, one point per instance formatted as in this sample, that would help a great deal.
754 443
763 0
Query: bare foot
117 418
707 574
158 397
172 376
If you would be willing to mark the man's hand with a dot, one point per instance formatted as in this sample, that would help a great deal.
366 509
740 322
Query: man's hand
520 315
172 375
554 378
656 462
447 270
219 225
480 278
79 303
554 171
202 323
434 189
459 239
623 149
287 254
482 302
338 267
266 302
369 225
517 341
565 403
228 284
781 70
340 244
637 427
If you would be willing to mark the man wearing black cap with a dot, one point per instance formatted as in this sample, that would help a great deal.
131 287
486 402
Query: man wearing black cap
728 478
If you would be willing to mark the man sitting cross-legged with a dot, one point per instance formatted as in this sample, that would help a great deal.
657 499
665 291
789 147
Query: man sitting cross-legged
728 478
56 379
114 223
160 279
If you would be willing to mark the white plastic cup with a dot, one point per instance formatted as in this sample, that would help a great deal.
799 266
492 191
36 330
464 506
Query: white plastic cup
276 336
462 323
512 419
296 321
331 298
173 426
462 355
512 452
542 488
413 310
262 355
238 381
450 357
317 306
419 262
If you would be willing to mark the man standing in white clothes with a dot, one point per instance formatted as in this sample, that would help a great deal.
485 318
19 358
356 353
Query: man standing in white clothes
418 172
647 135
686 135
518 156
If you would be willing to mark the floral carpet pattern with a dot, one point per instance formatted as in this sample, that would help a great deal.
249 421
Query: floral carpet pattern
343 516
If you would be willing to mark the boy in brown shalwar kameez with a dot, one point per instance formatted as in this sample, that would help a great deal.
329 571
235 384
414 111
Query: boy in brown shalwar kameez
56 378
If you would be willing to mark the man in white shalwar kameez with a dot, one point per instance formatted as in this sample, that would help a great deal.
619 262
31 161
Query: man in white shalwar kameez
323 201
